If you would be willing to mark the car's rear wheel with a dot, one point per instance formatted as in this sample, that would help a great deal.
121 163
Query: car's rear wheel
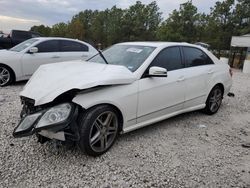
214 100
6 76
98 129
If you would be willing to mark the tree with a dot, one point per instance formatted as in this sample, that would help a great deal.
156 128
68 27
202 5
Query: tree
86 17
59 30
242 17
76 29
141 21
221 27
114 25
42 29
181 24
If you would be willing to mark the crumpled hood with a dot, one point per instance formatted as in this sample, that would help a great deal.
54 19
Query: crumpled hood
51 80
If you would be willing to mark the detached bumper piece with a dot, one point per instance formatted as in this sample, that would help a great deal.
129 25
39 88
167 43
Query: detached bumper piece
58 122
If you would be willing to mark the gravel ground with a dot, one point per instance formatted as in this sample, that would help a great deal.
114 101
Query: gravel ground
191 150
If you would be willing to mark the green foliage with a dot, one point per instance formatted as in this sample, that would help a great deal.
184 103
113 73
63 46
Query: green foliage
221 27
242 17
181 24
143 22
42 29
59 30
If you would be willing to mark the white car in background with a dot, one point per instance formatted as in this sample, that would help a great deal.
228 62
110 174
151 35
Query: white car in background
129 86
21 61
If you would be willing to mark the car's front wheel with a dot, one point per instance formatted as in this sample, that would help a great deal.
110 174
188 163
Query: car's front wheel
6 76
98 129
214 100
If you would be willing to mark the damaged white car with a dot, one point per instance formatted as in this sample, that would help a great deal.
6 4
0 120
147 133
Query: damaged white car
129 86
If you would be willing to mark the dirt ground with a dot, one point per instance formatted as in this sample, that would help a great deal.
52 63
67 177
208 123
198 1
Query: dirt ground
190 150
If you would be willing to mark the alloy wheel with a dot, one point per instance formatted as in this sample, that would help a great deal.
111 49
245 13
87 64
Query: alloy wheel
215 100
103 131
4 76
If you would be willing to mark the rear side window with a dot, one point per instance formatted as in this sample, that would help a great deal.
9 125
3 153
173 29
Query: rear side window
195 57
71 46
169 58
48 46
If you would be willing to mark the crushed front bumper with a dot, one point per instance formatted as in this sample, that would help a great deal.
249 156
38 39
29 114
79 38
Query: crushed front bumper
66 130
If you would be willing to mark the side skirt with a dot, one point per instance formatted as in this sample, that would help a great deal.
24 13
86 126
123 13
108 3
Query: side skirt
155 120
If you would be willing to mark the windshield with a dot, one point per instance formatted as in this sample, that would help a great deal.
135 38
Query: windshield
130 56
23 45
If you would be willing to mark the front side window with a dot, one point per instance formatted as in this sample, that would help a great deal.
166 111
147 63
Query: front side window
169 58
71 46
195 57
23 45
48 46
130 56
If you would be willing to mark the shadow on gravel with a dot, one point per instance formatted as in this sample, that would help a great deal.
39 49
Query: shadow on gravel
19 83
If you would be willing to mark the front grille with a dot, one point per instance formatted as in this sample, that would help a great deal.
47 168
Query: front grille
27 101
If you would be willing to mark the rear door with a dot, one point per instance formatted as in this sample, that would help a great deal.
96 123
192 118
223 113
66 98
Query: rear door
199 70
48 52
159 96
73 50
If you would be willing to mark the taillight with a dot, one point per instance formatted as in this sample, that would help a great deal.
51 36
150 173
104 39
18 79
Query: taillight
231 72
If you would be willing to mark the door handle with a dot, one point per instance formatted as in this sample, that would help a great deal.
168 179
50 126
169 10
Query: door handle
210 71
55 56
181 79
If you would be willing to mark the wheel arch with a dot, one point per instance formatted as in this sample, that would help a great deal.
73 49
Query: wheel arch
221 86
120 115
212 87
12 71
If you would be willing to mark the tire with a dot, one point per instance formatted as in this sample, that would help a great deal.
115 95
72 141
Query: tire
214 100
99 128
6 76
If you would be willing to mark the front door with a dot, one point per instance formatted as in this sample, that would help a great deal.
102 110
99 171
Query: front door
159 96
48 52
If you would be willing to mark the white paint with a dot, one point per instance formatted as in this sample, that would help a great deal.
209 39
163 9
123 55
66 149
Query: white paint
224 60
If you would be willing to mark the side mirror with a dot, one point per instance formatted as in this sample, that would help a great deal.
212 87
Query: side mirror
33 50
157 72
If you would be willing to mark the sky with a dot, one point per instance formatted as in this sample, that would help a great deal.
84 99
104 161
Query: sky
22 14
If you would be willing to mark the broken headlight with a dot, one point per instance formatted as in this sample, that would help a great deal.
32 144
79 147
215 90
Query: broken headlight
55 115
48 118
26 125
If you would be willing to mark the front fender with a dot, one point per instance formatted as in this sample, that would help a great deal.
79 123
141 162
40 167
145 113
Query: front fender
124 97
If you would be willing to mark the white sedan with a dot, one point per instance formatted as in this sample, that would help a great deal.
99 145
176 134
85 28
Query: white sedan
21 61
129 86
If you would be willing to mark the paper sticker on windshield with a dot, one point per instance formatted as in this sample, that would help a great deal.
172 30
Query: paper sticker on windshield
130 67
134 50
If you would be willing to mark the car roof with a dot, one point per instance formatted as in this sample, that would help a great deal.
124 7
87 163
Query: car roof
159 44
57 38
